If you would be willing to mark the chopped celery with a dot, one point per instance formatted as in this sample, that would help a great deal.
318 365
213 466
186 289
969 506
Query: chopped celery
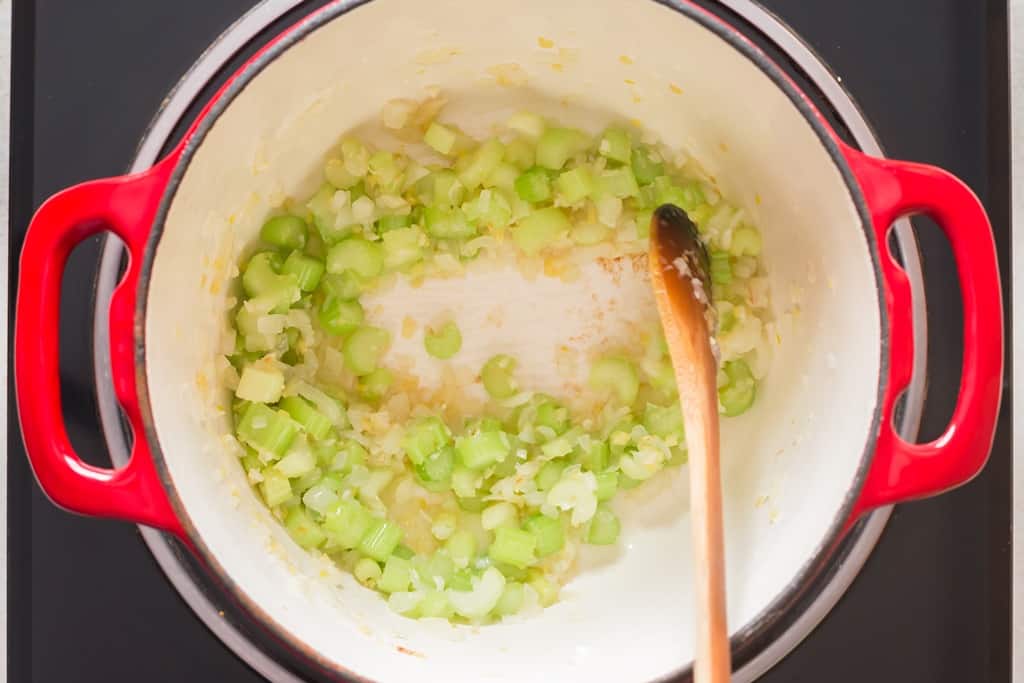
482 161
363 349
464 481
260 383
486 592
364 258
539 229
374 385
548 532
438 466
746 241
447 189
527 123
498 515
547 591
345 286
720 270
607 485
380 540
261 279
367 572
397 575
615 145
557 145
393 222
550 473
503 176
737 395
303 529
347 522
574 185
496 376
617 182
441 138
594 458
461 547
551 414
534 185
306 270
520 153
435 604
316 424
443 343
513 546
443 526
339 317
337 175
615 375
511 600
275 487
586 234
402 247
664 421
489 209
482 449
447 223
645 169
288 232
267 430
604 527
424 437
298 461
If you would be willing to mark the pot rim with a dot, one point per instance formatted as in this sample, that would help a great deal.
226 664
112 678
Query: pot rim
794 593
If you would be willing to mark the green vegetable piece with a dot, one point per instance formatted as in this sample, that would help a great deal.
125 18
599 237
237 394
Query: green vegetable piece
513 546
548 532
720 269
481 162
363 348
275 487
575 185
380 540
339 317
261 279
268 430
316 424
306 270
346 522
344 286
337 175
551 413
664 421
519 152
746 241
595 457
443 343
402 248
364 258
547 591
534 185
617 376
393 222
496 376
447 223
438 466
464 481
375 385
424 437
511 600
737 395
441 138
645 169
260 383
461 547
615 145
607 485
397 575
540 229
367 572
489 209
617 182
604 527
557 145
287 232
483 448
435 604
303 529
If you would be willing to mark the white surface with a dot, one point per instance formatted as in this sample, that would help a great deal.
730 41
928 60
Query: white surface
281 110
1017 319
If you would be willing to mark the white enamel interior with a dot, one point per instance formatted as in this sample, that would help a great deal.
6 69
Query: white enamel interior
789 463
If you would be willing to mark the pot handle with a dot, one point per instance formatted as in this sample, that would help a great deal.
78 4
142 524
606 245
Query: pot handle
904 471
125 205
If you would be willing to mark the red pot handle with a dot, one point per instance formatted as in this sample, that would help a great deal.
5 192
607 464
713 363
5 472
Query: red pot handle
903 471
126 206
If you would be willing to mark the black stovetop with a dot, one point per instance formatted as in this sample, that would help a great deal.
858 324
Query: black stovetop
88 603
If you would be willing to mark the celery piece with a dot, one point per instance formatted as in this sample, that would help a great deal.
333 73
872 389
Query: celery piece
551 413
604 527
321 496
337 175
397 575
549 474
496 376
534 185
364 258
367 572
482 161
461 547
482 449
738 393
356 156
746 241
346 522
303 529
275 487
444 526
485 594
595 457
316 424
539 229
615 145
260 383
298 461
350 454
720 269
375 385
615 375
441 138
435 605
382 168
557 145
587 234
687 197
527 123
548 532
320 207
617 182
393 222
645 169
339 317
268 430
447 189
444 342
547 591
664 421
464 481
363 348
424 437
447 223
607 485
402 247
344 286
503 176
574 185
519 152
261 279
306 270
380 540
498 515
513 546
643 223
511 600
489 209
287 232
437 467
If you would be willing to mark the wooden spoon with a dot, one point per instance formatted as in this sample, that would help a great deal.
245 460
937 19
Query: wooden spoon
682 288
